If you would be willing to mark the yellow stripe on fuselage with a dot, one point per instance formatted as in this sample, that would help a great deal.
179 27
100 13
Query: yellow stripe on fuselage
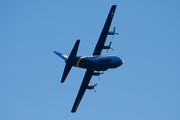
77 64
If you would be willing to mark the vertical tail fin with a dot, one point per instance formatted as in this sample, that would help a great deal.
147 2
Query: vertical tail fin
68 60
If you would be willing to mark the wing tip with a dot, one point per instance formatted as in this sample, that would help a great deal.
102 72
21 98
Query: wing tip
73 111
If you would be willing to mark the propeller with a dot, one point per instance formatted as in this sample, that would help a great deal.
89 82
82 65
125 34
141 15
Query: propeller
114 30
110 46
93 86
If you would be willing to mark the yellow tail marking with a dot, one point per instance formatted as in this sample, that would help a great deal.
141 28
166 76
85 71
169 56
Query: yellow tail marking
65 56
77 64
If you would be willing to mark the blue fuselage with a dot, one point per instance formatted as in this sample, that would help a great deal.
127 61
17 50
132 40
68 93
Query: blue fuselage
98 63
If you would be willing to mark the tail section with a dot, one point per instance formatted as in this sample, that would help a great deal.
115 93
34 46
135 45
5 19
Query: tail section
69 60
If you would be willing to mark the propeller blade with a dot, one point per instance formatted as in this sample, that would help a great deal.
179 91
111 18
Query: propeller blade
114 29
110 43
115 32
94 86
91 83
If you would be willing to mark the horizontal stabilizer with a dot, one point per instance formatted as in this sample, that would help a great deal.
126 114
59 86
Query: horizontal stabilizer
69 61
66 72
74 50
64 57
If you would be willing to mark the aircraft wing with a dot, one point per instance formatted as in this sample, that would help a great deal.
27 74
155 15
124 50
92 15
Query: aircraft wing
82 89
104 33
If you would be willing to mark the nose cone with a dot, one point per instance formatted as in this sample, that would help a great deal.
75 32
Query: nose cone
122 62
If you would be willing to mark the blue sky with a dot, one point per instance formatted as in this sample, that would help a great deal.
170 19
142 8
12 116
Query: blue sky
146 87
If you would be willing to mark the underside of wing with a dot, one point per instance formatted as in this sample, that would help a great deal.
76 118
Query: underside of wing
82 89
104 33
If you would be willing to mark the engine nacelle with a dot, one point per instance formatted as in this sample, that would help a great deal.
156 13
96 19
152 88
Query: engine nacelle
90 87
106 47
111 33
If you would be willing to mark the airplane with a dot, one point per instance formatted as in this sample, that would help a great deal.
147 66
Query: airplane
95 63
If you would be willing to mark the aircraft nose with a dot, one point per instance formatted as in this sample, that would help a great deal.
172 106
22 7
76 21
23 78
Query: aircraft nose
122 62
